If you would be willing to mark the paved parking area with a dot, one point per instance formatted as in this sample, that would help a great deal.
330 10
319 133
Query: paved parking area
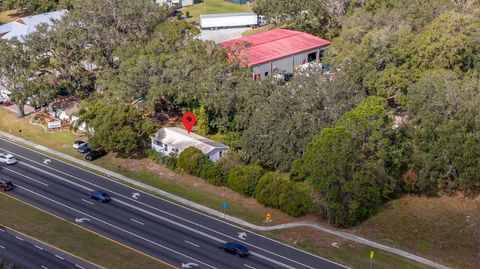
221 35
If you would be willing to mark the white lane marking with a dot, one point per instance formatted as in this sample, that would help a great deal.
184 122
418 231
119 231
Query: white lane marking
2 230
47 161
60 257
134 220
242 235
18 238
248 266
80 220
175 204
135 195
86 201
2 247
38 247
79 266
193 244
271 260
44 267
116 227
27 177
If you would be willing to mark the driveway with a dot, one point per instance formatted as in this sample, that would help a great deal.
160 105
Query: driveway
221 35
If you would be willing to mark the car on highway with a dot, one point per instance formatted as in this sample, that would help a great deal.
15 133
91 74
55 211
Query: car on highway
6 185
235 249
84 148
95 154
99 196
78 144
7 158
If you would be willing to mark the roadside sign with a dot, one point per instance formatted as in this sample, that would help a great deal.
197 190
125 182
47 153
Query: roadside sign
54 124
224 206
371 254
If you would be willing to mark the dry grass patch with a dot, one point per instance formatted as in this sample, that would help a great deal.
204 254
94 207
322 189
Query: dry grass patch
446 229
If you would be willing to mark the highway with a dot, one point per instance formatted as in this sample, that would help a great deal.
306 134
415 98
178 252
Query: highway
29 253
170 232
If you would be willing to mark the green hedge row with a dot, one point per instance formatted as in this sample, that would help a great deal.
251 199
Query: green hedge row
270 189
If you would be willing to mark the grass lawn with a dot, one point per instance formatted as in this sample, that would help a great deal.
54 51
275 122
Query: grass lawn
71 238
8 16
445 228
342 251
213 6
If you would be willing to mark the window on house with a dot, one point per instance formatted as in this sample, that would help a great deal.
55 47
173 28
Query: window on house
256 76
220 153
266 73
165 147
312 57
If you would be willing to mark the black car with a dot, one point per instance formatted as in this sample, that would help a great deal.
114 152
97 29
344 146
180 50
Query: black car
95 154
235 248
84 148
78 143
99 196
5 185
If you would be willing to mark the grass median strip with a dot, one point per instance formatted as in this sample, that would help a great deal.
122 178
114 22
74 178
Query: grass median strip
71 238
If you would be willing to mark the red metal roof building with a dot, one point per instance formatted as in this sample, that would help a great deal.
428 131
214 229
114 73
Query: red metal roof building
277 50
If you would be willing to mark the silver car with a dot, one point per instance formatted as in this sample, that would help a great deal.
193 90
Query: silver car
7 158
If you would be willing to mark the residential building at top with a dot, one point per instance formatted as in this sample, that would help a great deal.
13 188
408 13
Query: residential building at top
26 25
171 141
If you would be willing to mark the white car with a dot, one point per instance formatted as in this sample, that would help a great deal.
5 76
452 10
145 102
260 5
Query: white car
78 144
7 158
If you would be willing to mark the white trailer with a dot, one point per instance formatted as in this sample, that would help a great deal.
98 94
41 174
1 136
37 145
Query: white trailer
230 20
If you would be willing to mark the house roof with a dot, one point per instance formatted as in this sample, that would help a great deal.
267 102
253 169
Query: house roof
27 25
276 44
180 139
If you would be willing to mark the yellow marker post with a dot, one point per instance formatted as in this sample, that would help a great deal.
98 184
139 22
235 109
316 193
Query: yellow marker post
371 259
268 217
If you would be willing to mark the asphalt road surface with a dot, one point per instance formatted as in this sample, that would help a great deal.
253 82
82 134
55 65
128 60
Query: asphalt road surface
29 253
175 234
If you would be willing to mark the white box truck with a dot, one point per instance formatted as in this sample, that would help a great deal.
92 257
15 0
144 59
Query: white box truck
230 20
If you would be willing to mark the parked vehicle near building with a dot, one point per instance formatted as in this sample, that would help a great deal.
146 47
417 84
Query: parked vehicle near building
230 20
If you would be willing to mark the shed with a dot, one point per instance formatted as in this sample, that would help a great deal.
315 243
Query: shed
26 25
171 141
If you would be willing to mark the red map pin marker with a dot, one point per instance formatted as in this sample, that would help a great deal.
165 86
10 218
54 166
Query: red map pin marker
188 121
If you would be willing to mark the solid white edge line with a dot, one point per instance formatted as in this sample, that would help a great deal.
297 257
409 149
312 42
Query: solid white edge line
27 177
116 227
175 204
60 257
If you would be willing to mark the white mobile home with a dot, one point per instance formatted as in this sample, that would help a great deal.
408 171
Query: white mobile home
171 141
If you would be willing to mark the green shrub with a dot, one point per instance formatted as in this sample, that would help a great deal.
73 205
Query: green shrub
187 14
275 190
269 188
153 155
295 199
191 161
171 162
244 179
213 174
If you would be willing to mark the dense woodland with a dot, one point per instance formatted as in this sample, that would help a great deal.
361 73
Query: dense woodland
333 148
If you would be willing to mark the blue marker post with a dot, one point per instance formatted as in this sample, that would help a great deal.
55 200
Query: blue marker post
224 206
